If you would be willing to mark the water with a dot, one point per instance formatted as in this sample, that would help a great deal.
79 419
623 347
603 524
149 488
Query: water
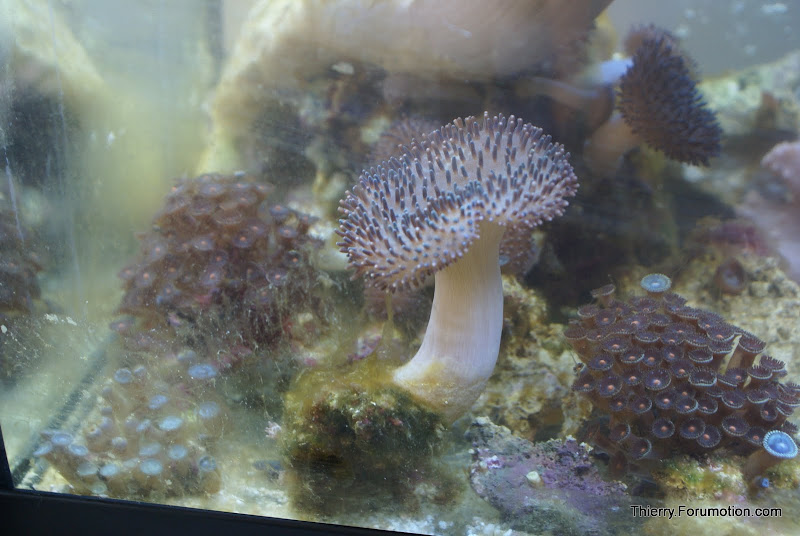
62 150
479 353
13 197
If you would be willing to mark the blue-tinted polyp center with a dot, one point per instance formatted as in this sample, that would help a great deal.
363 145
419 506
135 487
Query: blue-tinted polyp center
656 283
202 371
780 444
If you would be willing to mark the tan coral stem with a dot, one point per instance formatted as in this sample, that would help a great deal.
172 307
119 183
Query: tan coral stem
462 340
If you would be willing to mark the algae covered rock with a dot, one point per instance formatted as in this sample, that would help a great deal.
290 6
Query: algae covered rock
549 487
352 439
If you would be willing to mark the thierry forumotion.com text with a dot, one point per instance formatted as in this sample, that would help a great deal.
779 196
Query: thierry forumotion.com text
639 510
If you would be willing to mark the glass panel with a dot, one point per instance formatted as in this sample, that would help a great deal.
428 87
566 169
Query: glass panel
250 260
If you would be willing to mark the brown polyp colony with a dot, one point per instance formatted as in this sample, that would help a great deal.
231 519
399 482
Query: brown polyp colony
215 285
674 378
219 259
150 437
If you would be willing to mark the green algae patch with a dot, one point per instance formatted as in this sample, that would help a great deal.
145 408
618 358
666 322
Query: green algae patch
687 477
785 475
350 438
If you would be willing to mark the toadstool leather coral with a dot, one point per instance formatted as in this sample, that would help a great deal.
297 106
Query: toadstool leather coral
441 209
658 105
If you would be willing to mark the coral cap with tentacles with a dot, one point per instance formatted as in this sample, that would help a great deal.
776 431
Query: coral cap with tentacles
442 208
416 214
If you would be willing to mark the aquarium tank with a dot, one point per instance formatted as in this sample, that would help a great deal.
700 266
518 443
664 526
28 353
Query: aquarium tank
446 267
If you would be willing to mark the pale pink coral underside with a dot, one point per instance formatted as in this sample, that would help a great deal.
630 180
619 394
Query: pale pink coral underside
780 220
784 161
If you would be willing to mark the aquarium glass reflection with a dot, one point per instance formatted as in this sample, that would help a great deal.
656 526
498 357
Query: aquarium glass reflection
449 267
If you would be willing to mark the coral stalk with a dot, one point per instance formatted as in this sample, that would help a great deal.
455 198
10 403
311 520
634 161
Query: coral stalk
462 340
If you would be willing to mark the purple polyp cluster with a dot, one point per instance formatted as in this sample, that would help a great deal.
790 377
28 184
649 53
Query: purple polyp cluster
674 378
217 279
220 262
150 439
